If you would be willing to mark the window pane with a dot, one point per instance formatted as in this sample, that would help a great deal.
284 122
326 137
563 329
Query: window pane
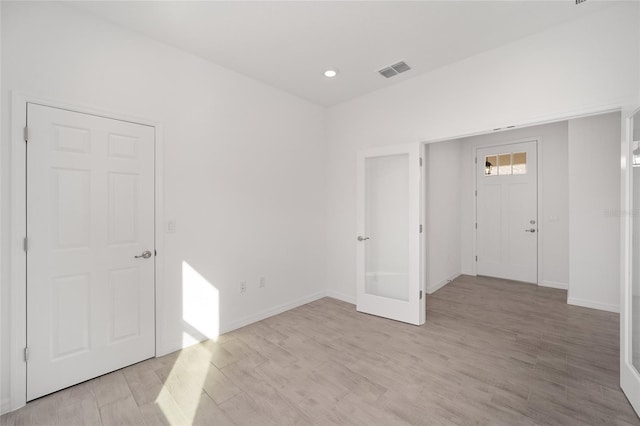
491 165
519 163
504 164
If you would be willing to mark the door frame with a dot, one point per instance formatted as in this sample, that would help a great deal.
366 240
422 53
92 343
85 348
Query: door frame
17 255
540 237
627 384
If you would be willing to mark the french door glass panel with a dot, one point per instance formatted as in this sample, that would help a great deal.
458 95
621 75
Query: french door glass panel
387 226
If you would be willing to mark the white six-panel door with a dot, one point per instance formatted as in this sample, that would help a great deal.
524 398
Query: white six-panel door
388 240
90 212
507 211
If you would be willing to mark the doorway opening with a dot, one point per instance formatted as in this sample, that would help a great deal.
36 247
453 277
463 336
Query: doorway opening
524 235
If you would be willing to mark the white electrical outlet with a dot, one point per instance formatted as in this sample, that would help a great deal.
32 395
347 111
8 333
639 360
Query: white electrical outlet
171 226
243 286
263 282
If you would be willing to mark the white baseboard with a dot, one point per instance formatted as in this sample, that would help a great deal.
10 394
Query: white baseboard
553 284
272 311
5 406
593 305
432 289
259 316
340 296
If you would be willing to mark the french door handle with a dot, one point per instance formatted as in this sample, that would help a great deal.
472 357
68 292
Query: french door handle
360 238
144 255
530 230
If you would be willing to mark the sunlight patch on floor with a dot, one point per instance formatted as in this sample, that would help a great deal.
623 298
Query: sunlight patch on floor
201 321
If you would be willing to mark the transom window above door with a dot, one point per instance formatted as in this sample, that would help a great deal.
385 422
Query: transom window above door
511 163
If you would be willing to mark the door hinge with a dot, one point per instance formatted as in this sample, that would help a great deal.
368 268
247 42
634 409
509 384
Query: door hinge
476 192
25 244
155 252
476 258
420 161
420 294
476 160
26 354
476 225
26 134
421 228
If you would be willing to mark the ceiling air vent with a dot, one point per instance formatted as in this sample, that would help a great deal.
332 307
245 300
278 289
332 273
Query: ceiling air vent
394 69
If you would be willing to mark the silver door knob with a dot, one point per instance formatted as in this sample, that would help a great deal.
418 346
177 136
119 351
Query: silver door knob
363 238
530 230
144 255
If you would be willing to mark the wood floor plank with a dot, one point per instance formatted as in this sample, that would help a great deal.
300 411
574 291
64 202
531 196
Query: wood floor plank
121 412
110 388
143 382
83 413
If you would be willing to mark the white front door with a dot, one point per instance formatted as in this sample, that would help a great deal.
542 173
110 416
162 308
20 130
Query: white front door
90 216
507 212
630 283
388 240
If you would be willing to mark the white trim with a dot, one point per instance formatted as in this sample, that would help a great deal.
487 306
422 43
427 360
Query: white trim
539 121
593 305
553 284
341 296
266 313
17 261
432 289
5 405
424 225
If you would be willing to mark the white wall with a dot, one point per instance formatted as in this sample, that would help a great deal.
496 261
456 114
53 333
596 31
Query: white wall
594 212
554 186
585 65
244 163
442 167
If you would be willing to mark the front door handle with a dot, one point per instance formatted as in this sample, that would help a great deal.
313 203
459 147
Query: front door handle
530 230
144 255
363 238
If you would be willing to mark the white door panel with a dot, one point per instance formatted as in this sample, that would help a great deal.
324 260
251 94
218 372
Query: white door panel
388 247
90 210
506 212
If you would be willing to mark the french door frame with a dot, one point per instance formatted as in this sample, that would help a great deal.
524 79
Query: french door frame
378 305
629 376
18 256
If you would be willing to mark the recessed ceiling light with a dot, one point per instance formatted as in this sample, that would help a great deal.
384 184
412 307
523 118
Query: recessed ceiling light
330 73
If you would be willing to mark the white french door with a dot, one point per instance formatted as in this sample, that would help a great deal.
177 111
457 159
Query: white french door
507 212
90 247
389 231
630 283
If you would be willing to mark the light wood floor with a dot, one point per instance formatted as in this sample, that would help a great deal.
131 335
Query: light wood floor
491 352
